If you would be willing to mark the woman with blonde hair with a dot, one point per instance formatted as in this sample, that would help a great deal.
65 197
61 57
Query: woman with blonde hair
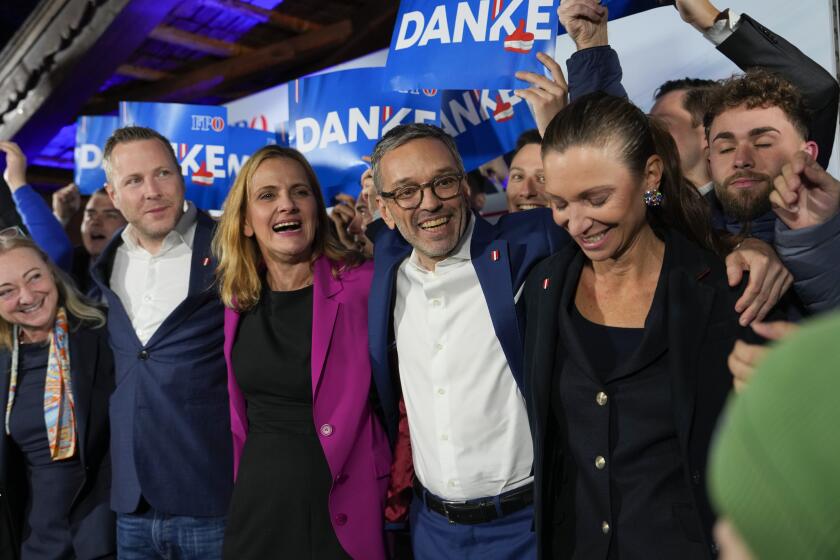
311 458
56 374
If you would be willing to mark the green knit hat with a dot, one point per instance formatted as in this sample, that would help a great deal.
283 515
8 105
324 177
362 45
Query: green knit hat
775 466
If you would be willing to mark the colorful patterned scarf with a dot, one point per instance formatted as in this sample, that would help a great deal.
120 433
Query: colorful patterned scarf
59 413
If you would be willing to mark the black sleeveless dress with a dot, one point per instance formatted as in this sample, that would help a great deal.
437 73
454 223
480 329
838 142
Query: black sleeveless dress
279 507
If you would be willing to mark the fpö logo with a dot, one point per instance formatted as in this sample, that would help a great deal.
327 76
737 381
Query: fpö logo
514 23
206 123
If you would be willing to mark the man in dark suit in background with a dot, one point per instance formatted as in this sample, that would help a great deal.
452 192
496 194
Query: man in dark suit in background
170 425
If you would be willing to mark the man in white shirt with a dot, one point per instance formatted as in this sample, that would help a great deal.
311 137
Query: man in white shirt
454 280
170 427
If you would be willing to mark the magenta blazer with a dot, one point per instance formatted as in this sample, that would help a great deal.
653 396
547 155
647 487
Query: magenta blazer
351 436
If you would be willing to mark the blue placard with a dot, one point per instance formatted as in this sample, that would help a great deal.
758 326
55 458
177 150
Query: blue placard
622 8
484 123
337 119
199 135
242 142
91 134
466 44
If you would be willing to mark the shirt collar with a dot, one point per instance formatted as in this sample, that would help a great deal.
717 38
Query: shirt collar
707 188
459 255
184 231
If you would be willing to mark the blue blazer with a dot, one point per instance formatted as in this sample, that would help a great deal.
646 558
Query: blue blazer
502 255
92 523
170 425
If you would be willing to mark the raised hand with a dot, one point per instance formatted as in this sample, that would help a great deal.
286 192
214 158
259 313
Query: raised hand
585 21
547 97
804 194
15 172
66 201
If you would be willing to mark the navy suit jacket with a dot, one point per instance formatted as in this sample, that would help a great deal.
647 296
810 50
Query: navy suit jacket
502 255
92 522
170 425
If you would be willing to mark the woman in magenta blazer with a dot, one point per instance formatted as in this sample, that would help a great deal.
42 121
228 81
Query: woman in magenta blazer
310 456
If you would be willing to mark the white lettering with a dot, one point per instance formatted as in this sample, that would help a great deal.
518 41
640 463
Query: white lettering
188 163
421 116
465 18
504 21
302 126
438 28
404 42
466 111
397 119
536 17
235 164
369 126
333 131
216 161
89 156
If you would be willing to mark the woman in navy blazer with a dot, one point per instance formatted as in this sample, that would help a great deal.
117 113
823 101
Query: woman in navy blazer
627 337
316 456
54 490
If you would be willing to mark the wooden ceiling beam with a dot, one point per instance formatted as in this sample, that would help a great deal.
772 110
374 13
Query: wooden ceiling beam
61 56
283 21
199 43
203 80
142 73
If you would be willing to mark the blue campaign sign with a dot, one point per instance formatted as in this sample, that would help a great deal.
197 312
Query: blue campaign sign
622 8
465 44
337 118
199 136
242 142
484 123
91 134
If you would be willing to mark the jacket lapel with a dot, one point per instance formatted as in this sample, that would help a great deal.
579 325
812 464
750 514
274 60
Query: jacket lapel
689 308
202 277
324 312
491 260
83 356
390 251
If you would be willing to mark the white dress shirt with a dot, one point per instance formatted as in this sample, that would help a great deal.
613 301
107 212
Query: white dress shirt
723 29
470 436
706 189
150 286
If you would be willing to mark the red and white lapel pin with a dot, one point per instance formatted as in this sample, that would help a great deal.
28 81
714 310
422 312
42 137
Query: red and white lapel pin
546 283
494 255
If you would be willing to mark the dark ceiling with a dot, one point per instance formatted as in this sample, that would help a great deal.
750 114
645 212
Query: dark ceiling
60 59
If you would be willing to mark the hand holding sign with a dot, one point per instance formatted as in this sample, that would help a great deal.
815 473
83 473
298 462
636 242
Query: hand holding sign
586 22
546 97
700 14
15 172
804 194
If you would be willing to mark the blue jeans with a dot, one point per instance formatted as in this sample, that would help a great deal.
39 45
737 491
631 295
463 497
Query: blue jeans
435 538
153 535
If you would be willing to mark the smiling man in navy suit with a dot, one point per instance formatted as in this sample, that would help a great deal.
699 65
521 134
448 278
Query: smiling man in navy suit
170 427
444 274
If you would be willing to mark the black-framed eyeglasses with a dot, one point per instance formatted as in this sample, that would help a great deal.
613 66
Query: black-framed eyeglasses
409 197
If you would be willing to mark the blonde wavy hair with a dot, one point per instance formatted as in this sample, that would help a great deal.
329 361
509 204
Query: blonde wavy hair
240 261
78 306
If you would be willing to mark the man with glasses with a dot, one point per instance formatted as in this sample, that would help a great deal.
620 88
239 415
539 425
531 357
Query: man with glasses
447 276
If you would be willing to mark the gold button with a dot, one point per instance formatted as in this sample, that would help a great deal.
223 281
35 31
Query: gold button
601 398
600 462
605 527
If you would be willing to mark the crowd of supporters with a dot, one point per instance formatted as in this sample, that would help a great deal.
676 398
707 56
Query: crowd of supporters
637 360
